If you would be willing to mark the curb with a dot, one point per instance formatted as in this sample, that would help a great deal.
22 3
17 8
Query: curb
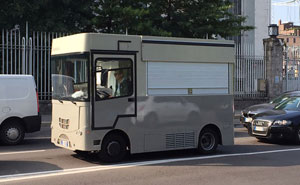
236 117
45 124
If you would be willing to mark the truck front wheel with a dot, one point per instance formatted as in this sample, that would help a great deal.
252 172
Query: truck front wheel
12 132
113 148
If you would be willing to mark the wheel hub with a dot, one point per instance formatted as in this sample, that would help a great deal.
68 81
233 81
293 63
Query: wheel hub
113 148
207 141
12 133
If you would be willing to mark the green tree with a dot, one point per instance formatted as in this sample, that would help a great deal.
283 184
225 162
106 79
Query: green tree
117 16
197 18
15 12
48 15
179 18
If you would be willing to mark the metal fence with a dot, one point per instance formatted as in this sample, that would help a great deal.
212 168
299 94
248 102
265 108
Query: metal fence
291 80
249 69
291 67
28 54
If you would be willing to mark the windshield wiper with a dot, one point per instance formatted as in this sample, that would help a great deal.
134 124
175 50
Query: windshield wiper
58 98
71 100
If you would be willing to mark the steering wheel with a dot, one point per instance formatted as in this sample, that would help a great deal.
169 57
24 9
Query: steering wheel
102 94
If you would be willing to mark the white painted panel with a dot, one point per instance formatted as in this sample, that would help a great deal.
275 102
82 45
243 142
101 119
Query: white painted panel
187 75
156 52
158 91
167 91
14 88
210 91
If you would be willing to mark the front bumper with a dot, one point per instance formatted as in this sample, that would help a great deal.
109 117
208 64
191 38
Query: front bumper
33 123
277 132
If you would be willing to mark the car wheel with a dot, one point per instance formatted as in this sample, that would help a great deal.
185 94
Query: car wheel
12 133
297 136
208 141
113 148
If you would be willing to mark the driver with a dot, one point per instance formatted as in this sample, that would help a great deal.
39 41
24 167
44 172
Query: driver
123 87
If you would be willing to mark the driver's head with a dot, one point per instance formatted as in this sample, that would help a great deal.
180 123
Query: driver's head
119 75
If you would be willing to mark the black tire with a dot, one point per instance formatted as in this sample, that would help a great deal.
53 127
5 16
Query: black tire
12 133
82 153
264 140
208 141
297 136
113 148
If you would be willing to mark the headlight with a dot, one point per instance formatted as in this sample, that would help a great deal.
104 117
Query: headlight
282 122
249 120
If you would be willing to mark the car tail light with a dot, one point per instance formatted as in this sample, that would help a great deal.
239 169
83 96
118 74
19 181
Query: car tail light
37 101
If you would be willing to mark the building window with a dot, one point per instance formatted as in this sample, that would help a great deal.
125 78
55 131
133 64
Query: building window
287 39
294 39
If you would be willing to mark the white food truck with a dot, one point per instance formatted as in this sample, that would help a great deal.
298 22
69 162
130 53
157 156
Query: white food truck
122 94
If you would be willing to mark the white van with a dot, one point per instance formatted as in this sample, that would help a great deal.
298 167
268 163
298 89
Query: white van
19 108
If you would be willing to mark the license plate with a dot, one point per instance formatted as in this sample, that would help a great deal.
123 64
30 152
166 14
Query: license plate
248 120
64 143
258 128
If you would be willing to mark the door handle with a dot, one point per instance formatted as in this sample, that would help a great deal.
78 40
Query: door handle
131 99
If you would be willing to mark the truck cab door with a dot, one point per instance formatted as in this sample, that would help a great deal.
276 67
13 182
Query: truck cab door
114 91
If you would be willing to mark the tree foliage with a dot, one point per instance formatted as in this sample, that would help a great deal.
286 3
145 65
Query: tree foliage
197 18
47 15
118 16
179 18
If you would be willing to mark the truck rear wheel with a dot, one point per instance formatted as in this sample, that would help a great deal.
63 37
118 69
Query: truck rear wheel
113 148
208 141
12 133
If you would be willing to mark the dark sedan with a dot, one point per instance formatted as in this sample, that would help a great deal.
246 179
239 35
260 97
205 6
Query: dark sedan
281 122
248 113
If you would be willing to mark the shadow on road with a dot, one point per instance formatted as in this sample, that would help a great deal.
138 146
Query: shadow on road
222 150
20 167
240 132
29 144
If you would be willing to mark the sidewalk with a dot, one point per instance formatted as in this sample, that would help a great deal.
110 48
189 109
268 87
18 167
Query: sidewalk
46 120
237 114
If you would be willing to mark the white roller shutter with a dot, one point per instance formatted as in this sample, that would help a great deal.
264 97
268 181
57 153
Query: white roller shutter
173 78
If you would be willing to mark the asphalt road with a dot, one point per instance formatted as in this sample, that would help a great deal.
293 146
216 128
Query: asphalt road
249 161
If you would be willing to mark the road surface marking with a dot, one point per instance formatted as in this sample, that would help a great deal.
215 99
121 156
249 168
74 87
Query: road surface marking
33 138
21 152
43 174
